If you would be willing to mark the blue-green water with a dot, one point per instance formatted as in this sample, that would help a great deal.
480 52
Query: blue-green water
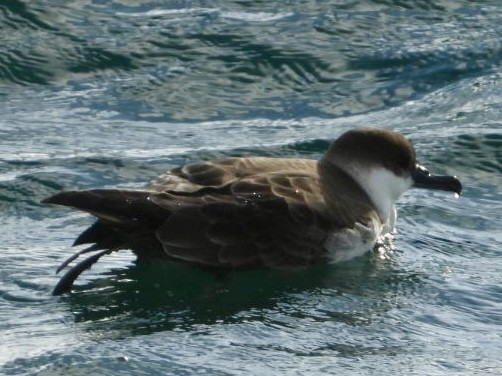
112 93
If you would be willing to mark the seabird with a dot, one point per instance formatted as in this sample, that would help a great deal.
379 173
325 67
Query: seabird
253 212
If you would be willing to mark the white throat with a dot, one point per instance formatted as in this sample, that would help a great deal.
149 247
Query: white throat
382 186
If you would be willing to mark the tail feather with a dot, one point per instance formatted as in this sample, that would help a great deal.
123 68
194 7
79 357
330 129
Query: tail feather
126 219
65 263
100 232
66 282
113 205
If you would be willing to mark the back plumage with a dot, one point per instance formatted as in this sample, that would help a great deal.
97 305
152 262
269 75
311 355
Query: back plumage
229 213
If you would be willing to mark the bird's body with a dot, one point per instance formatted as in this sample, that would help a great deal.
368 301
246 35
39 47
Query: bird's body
255 211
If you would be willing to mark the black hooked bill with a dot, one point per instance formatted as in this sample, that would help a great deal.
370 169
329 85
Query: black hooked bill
424 179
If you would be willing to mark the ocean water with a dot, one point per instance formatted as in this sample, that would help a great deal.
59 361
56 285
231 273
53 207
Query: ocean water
102 93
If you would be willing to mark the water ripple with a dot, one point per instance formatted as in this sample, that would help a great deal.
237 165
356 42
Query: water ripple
113 93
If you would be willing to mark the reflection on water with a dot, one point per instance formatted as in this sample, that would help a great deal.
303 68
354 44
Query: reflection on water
148 297
113 93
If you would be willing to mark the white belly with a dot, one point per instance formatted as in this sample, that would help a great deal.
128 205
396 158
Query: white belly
349 243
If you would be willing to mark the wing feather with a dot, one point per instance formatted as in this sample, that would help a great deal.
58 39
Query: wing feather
232 212
261 220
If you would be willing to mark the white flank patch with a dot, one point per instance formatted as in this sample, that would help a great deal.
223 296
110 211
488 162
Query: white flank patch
349 243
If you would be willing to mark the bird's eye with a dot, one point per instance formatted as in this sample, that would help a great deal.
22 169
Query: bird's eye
404 163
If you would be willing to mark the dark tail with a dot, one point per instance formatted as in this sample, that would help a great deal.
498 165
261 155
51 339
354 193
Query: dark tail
126 219
66 282
113 205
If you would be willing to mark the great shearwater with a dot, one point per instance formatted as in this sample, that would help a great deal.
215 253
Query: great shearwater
253 212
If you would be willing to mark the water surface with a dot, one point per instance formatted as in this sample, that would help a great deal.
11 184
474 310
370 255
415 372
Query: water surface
113 93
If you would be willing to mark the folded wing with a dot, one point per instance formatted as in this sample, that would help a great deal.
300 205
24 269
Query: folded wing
229 213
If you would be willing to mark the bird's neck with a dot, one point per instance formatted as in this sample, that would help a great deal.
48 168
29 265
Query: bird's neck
344 197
